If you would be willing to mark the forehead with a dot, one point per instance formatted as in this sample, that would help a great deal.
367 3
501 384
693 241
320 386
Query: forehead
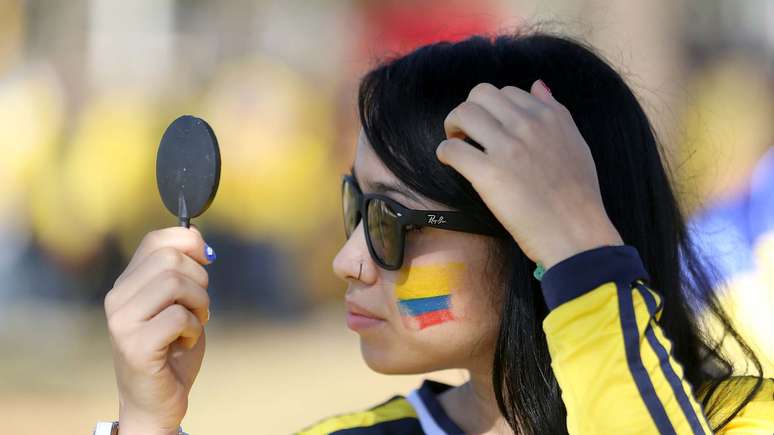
367 165
374 177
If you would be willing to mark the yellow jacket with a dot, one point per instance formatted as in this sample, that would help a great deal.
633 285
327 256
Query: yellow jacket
613 362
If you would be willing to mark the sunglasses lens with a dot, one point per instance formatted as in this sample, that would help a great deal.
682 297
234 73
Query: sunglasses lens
350 204
384 231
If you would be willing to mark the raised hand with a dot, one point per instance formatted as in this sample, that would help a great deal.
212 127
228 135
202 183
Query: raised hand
536 173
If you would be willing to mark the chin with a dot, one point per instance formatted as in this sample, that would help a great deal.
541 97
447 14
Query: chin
388 362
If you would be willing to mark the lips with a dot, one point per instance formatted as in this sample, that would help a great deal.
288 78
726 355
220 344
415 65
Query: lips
360 311
359 319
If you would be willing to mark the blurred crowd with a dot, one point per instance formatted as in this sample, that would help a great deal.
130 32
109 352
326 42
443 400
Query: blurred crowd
87 87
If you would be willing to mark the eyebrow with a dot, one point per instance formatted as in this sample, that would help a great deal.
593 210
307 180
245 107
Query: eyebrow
387 187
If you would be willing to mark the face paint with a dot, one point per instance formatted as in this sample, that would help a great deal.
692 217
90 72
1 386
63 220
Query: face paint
423 292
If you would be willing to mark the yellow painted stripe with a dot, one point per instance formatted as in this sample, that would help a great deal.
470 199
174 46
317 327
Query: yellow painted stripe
428 280
392 410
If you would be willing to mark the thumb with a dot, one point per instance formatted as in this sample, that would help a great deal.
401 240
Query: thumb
195 229
462 156
209 253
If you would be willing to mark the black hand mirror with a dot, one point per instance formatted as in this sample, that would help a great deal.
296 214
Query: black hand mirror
188 167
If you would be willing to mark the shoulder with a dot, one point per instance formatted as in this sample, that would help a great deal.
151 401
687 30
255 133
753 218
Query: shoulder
395 416
720 400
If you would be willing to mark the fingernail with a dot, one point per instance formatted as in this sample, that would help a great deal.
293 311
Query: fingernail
209 253
546 87
208 314
439 151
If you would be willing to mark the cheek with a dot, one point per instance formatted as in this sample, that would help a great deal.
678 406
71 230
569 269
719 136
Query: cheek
424 294
441 321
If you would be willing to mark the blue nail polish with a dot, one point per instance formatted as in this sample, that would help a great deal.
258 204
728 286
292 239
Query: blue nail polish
209 253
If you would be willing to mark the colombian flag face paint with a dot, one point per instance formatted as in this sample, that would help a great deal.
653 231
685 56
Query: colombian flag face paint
423 292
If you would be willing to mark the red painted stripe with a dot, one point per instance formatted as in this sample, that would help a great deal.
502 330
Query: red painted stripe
433 318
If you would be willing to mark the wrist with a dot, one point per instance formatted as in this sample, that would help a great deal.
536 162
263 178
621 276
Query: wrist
579 239
131 428
133 421
113 428
584 272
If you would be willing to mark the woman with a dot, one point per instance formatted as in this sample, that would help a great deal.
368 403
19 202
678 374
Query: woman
468 172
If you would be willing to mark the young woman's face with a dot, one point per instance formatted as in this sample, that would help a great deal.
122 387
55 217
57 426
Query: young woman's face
434 313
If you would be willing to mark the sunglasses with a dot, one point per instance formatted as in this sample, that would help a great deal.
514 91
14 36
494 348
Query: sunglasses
386 222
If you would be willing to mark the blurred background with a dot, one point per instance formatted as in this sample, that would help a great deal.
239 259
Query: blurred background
87 88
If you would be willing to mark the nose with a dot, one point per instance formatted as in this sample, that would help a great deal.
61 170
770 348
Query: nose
347 262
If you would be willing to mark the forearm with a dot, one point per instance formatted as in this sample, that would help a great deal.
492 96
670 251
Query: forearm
608 351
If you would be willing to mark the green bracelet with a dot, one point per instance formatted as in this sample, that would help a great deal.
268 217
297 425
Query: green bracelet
539 271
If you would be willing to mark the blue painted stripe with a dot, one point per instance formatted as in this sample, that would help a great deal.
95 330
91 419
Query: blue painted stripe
634 359
663 357
415 307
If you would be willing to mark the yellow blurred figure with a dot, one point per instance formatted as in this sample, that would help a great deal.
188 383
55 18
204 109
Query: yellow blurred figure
274 129
104 180
31 111
727 127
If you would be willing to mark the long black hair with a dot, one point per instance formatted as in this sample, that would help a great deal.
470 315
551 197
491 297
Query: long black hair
402 104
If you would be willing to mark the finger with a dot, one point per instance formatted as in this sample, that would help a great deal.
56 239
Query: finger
188 241
544 111
158 262
524 100
471 120
497 103
209 253
167 289
541 90
462 156
172 323
195 229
